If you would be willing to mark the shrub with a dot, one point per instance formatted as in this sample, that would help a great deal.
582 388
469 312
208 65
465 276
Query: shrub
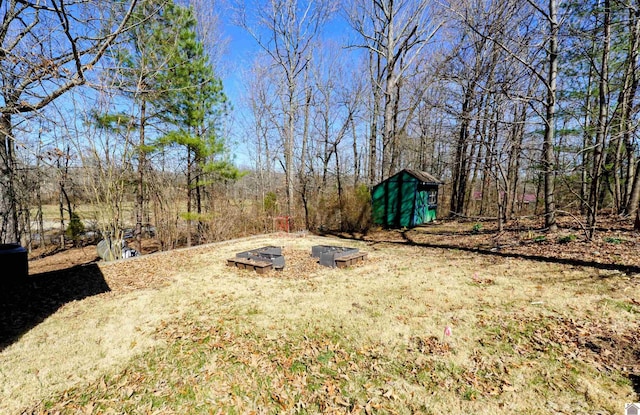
356 210
75 228
270 203
566 239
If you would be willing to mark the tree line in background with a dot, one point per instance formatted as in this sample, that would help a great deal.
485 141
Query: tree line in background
520 107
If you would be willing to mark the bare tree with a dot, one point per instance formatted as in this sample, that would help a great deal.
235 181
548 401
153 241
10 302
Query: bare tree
259 125
395 33
550 82
105 152
47 49
480 70
602 123
207 13
338 102
286 30
524 52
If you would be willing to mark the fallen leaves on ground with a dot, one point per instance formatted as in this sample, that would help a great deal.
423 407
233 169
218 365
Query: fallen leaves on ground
220 366
614 247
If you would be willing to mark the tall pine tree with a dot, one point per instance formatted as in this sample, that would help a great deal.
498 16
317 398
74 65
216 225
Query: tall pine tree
195 105
163 70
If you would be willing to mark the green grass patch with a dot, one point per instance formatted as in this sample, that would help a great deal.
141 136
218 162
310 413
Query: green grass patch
566 239
622 305
613 240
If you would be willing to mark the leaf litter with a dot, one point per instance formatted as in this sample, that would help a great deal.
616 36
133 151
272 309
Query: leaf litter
226 364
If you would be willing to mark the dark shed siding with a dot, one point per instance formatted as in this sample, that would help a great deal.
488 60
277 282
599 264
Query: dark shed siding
403 199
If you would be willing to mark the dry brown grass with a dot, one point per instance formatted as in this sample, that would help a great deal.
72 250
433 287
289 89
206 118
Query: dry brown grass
194 336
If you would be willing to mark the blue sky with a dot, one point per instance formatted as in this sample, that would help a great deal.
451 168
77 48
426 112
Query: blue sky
242 50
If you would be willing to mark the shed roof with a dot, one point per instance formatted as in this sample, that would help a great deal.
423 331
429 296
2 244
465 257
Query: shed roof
423 176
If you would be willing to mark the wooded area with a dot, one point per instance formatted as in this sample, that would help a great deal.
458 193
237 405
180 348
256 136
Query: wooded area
519 107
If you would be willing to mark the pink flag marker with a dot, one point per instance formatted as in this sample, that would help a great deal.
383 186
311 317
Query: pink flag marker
447 333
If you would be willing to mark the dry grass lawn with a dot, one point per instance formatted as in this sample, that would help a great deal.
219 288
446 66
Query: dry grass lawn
182 333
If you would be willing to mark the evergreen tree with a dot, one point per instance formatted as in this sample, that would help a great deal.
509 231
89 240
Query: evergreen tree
195 106
163 69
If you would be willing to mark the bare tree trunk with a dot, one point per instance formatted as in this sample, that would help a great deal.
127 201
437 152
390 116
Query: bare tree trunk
140 179
340 192
8 204
398 133
539 186
601 130
63 168
460 166
390 132
501 206
303 177
189 195
634 198
356 156
479 166
288 145
617 179
200 231
493 169
61 202
373 134
586 143
479 134
549 127
39 214
517 135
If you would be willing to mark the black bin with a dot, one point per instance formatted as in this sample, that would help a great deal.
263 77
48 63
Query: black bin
14 263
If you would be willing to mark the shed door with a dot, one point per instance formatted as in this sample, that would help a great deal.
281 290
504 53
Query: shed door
421 207
385 203
432 205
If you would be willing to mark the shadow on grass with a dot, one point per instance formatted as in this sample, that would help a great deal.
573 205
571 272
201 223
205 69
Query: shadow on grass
25 304
627 269
406 240
635 381
513 228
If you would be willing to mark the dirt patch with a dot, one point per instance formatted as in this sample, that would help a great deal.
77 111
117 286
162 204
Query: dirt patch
299 264
52 259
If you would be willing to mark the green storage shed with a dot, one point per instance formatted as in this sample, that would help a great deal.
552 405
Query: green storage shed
407 199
